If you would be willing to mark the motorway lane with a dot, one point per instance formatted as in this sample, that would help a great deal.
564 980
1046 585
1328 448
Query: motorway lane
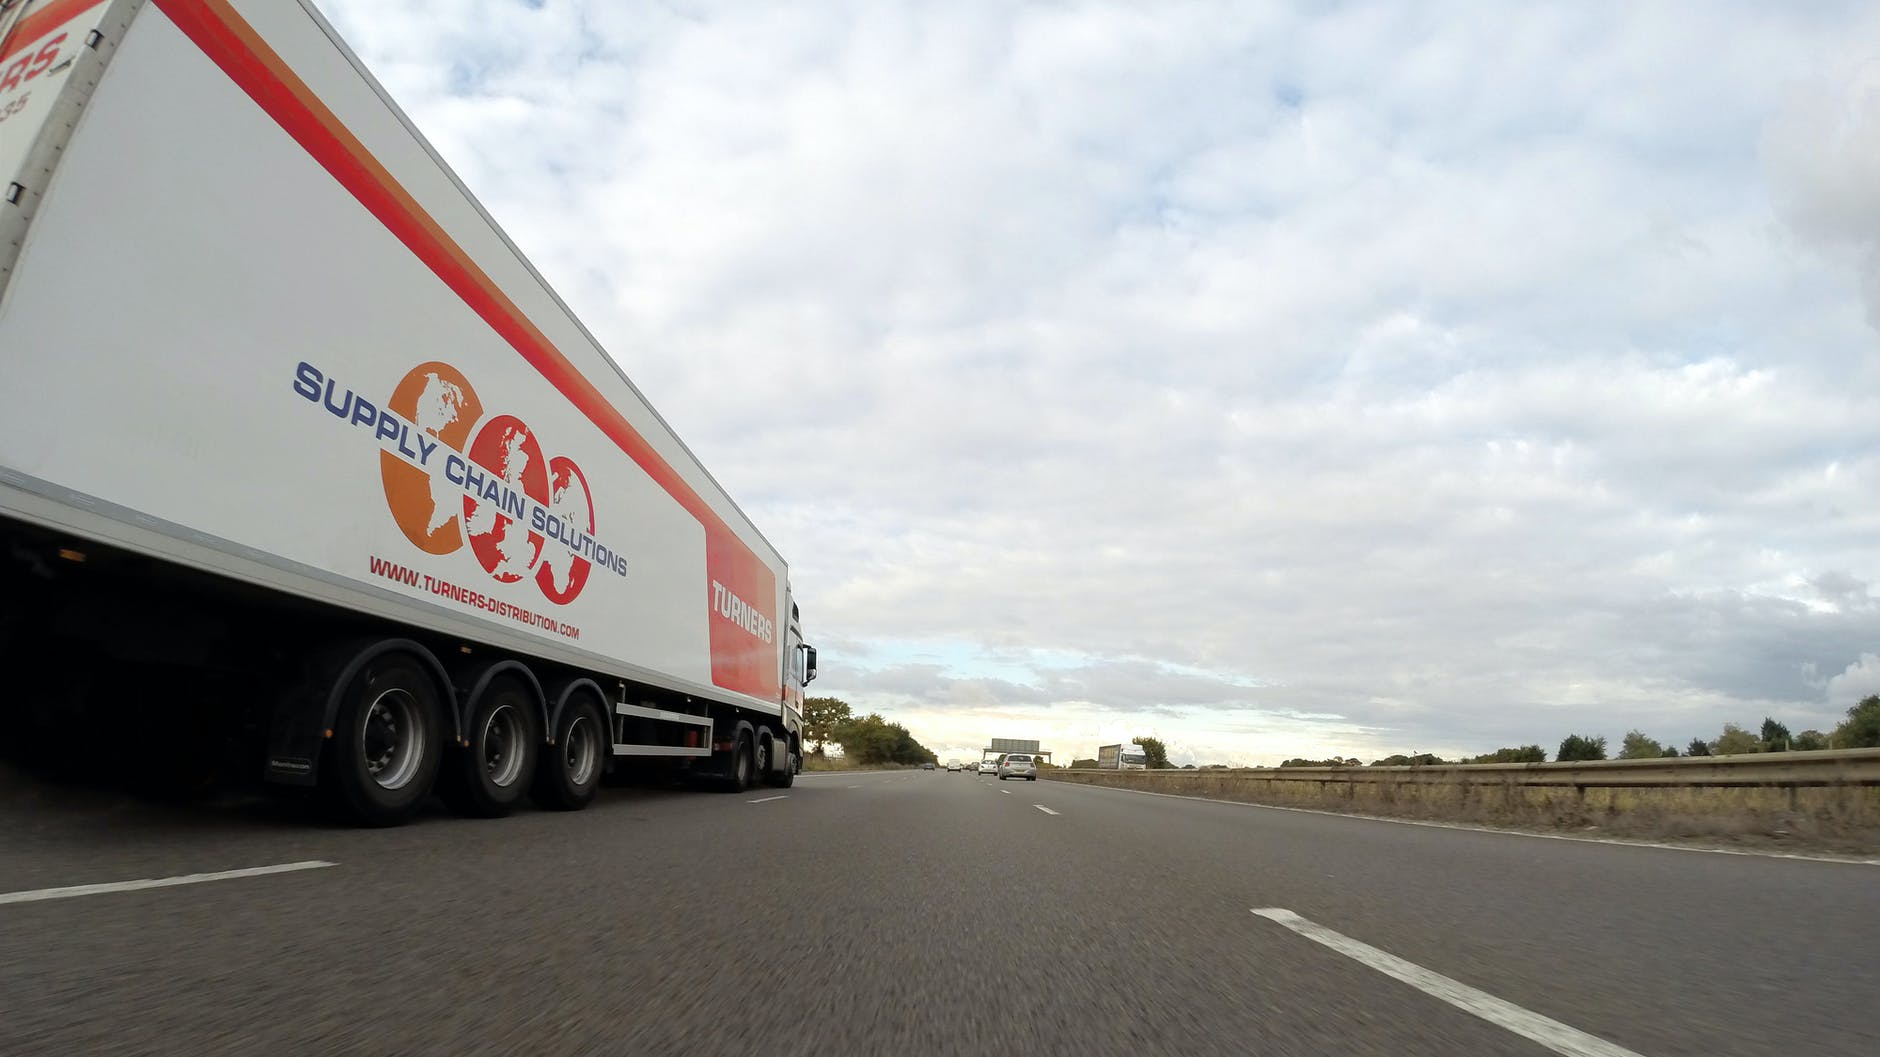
863 914
1664 951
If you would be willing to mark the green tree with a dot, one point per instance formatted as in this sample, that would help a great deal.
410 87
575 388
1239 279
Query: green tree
864 739
1639 747
1421 759
1775 736
1809 741
873 740
1735 741
821 717
1862 728
1697 747
1671 750
1577 748
1084 763
1524 754
1155 751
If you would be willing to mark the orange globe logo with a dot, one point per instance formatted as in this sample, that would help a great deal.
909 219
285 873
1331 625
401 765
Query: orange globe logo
525 515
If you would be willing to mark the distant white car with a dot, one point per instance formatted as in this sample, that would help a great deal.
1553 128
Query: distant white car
988 767
1016 765
953 765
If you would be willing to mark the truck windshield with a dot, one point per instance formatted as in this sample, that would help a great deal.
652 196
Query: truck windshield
1135 757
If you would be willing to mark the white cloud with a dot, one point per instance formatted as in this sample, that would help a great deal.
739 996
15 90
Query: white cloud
1856 682
1366 380
1822 153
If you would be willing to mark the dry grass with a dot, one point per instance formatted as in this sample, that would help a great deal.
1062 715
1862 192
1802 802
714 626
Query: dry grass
1843 819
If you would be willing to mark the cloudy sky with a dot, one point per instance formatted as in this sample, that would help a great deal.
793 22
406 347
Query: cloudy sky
1281 379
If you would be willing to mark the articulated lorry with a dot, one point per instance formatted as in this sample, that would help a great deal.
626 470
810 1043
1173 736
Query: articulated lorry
298 454
1130 757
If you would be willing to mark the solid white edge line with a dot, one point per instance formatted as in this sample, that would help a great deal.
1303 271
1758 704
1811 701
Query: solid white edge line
1616 842
1526 1023
1044 809
768 799
74 891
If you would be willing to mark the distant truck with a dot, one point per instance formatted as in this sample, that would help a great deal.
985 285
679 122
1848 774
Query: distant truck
298 451
1130 757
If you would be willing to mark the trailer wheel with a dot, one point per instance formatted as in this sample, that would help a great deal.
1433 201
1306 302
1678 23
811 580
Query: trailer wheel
569 772
386 744
491 775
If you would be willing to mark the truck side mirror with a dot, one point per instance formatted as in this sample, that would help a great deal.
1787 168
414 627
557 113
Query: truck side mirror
809 665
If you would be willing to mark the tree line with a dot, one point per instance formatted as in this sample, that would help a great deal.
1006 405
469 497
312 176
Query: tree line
865 739
1861 729
872 739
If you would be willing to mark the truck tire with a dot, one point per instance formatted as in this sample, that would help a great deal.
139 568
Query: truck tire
387 742
569 772
741 769
490 775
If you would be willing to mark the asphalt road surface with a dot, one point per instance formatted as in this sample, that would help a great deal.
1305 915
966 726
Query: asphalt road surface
914 912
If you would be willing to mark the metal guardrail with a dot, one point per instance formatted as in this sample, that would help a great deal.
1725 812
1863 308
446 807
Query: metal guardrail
1830 767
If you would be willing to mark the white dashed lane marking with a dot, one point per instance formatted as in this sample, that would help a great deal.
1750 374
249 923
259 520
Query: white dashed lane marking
74 891
1526 1023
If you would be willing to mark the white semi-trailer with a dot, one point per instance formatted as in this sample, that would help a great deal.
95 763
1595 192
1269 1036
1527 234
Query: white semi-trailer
297 451
1130 757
